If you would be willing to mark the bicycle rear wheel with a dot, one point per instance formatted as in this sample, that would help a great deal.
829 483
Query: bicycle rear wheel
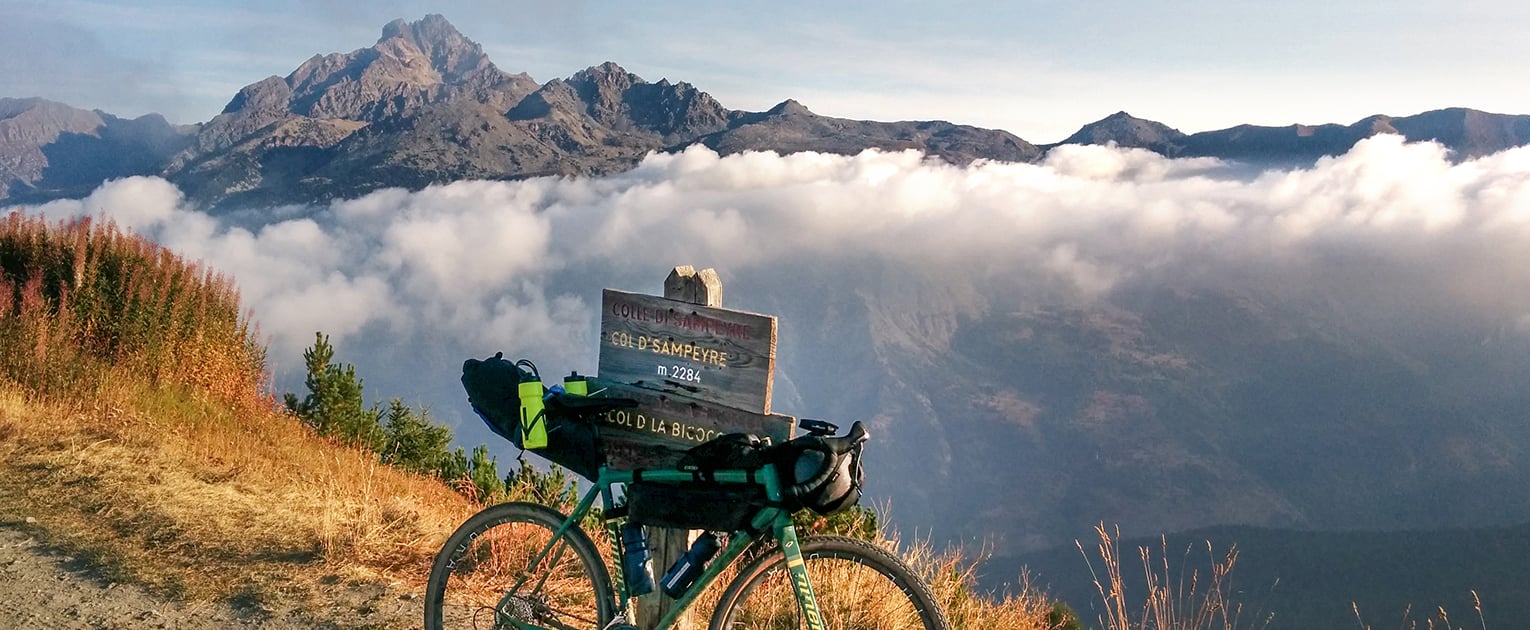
858 585
484 577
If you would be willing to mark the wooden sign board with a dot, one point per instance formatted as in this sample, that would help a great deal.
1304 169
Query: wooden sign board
717 355
663 425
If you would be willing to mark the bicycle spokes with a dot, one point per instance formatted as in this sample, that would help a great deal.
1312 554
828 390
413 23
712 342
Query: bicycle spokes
522 576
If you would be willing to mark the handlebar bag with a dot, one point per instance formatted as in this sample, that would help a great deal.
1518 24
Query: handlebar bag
839 474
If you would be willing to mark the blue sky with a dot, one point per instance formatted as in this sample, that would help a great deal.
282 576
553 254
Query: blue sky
1038 68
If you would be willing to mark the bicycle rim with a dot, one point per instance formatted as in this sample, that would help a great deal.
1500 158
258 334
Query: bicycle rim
487 575
859 586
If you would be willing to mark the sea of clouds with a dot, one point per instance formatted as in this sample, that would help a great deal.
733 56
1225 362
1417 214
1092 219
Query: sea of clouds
409 283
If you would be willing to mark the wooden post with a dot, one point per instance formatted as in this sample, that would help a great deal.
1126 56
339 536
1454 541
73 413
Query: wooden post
688 285
668 545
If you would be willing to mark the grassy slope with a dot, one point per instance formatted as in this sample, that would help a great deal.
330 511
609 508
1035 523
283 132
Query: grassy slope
135 428
188 496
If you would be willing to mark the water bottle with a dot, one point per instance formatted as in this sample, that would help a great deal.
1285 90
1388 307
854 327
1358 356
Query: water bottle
635 564
576 384
689 566
533 414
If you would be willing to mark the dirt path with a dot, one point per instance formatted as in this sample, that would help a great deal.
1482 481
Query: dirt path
41 588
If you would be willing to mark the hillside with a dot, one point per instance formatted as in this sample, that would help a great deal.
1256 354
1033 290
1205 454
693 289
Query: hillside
1161 408
136 437
50 150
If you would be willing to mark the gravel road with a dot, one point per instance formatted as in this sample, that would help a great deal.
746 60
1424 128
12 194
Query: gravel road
43 589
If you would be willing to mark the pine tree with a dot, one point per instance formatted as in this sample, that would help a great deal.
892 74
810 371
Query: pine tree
412 441
454 468
553 487
484 473
334 404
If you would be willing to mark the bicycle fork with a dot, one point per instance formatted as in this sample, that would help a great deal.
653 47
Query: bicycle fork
795 565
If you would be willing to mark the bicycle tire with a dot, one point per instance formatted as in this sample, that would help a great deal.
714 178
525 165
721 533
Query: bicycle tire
489 552
858 585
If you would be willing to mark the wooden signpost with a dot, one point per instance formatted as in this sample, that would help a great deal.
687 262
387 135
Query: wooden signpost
697 371
713 354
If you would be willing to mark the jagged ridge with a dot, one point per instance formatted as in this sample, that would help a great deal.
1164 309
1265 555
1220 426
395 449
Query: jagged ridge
424 104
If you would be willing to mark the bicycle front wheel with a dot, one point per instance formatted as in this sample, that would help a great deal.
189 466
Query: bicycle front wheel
489 575
858 585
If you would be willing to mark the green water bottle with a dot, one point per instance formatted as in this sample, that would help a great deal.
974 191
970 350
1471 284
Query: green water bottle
533 415
576 384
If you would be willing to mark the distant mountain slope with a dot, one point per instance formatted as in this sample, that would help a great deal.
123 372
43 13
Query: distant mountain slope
1467 132
50 150
790 127
1126 130
1162 408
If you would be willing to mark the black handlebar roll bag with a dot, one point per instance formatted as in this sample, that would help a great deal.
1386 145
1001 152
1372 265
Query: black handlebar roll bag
492 386
819 477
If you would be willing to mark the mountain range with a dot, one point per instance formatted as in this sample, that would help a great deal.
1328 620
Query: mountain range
425 105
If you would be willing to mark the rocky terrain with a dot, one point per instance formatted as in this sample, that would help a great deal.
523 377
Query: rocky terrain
424 105
50 150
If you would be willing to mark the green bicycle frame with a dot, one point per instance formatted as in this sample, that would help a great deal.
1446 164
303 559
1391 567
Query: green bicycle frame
769 519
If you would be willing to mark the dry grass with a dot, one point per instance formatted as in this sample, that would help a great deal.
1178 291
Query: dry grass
136 429
197 500
848 593
1171 601
1439 619
952 575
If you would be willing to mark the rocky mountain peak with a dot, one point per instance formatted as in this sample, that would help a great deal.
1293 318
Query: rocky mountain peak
789 107
603 89
11 107
451 54
1127 130
412 64
605 68
607 78
614 99
270 93
1379 123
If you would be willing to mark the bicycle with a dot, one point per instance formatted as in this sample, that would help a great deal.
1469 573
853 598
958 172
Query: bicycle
527 566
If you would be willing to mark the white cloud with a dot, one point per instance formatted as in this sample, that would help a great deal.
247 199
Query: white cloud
478 266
